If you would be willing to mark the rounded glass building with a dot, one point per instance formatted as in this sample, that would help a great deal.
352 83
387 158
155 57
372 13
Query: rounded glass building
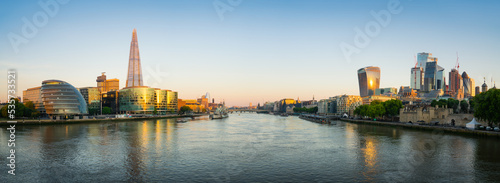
61 98
137 99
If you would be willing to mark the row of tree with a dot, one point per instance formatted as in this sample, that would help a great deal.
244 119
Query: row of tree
453 104
377 108
487 106
305 110
21 110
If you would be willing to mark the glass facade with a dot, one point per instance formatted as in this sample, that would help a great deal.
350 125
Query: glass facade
137 100
61 98
369 80
430 76
33 95
417 77
134 77
172 101
91 97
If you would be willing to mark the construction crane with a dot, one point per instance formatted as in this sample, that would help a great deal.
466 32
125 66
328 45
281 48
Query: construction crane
457 65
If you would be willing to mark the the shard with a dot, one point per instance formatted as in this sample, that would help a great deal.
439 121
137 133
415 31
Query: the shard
134 77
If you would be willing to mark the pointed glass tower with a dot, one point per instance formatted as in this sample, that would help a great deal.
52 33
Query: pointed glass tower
134 77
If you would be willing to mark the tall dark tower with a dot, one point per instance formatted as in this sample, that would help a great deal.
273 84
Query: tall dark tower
134 77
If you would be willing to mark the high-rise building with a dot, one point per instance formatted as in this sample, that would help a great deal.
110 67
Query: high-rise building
468 85
105 85
431 71
422 59
134 77
369 80
440 79
478 90
417 78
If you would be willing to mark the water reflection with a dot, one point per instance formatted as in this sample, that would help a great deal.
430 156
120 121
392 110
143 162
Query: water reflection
248 148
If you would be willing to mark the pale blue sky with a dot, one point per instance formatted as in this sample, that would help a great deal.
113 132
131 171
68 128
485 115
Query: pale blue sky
261 51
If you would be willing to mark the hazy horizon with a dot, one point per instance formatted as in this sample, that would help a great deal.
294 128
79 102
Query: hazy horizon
259 51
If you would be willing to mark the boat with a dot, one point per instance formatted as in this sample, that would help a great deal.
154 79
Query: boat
284 115
182 120
220 113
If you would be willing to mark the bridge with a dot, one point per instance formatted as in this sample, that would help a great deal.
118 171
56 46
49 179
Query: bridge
248 110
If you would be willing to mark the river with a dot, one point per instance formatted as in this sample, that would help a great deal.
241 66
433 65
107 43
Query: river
246 148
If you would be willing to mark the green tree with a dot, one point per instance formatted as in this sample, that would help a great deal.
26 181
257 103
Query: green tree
106 110
487 106
452 103
376 110
471 104
184 109
392 107
362 110
464 106
19 109
155 111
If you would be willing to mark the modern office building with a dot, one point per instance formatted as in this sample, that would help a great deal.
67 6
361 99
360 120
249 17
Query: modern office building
105 85
62 99
91 97
33 95
417 78
137 100
327 106
172 100
455 82
430 76
422 59
111 99
440 82
468 85
369 80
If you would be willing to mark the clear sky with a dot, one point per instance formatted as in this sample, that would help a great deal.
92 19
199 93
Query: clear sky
259 51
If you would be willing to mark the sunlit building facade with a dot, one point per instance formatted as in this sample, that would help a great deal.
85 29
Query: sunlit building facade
455 83
137 100
172 100
369 80
347 103
33 95
91 96
417 78
62 99
193 104
105 85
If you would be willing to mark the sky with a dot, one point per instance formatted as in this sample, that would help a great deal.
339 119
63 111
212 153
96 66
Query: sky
246 51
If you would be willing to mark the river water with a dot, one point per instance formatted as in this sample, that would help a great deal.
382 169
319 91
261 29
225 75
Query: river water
246 148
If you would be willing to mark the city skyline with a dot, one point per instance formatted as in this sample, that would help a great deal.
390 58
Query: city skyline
253 55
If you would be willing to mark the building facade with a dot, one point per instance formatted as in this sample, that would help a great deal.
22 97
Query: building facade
137 100
92 97
369 80
33 95
417 78
347 103
62 99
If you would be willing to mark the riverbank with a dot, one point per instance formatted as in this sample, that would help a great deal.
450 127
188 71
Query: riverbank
81 121
455 130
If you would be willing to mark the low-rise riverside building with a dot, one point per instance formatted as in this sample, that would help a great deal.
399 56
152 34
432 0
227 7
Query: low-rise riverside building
347 103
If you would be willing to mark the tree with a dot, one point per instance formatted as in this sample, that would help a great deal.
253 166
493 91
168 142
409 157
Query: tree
452 103
471 104
106 110
464 106
19 109
184 109
376 110
487 106
362 110
392 107
155 111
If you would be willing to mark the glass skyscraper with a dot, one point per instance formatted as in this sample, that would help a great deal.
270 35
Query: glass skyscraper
134 77
369 80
